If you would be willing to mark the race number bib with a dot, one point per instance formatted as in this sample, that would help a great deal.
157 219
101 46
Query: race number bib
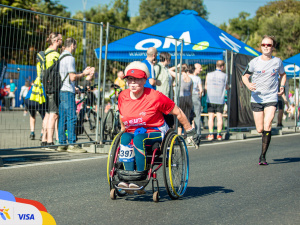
126 153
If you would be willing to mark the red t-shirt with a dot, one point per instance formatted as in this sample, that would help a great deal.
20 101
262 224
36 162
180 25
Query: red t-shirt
146 111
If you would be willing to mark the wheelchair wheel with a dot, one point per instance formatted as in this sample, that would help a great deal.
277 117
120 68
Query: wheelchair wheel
108 126
175 165
112 160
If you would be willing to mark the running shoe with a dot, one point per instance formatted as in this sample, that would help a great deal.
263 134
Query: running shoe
125 185
219 137
62 148
50 148
43 144
75 149
262 161
32 136
210 137
140 192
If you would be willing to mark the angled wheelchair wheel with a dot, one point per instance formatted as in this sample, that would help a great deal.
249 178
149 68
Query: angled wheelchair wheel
112 162
175 165
108 126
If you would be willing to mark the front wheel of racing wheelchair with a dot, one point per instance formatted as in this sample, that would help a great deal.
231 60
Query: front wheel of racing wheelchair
171 154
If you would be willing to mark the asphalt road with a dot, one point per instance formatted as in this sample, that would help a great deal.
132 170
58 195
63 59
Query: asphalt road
226 186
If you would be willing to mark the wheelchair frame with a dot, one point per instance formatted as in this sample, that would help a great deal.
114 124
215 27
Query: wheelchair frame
171 154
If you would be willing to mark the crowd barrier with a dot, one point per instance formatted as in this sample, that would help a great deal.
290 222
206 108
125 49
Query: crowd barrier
107 48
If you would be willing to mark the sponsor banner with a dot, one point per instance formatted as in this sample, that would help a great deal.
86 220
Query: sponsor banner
20 211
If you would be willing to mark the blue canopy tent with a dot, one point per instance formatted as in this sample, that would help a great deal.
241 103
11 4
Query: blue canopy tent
202 40
290 68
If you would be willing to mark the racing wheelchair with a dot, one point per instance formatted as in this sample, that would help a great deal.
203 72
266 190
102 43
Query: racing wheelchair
171 154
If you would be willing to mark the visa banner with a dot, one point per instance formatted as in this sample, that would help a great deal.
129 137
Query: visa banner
19 211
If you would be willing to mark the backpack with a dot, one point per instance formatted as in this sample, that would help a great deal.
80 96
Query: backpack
159 70
50 76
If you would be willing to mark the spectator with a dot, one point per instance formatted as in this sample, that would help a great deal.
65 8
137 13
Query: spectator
193 71
11 95
185 97
282 101
149 61
163 78
34 107
164 81
265 71
119 81
67 106
52 100
215 86
23 93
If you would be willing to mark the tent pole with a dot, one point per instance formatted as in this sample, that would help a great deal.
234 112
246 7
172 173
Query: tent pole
176 85
104 80
295 95
229 92
295 98
99 84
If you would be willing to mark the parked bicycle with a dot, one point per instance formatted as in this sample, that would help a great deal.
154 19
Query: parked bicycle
111 124
87 116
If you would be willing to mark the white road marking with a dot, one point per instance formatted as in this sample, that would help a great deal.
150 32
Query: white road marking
243 140
105 156
53 162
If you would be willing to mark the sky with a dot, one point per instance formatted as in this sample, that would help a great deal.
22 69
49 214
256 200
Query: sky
220 11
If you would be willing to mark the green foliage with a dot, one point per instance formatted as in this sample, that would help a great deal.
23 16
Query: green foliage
25 31
117 14
278 8
278 18
154 11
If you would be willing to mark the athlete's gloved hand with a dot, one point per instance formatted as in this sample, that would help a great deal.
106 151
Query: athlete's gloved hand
191 132
195 138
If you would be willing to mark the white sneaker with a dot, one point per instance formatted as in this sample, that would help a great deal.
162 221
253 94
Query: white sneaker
123 185
131 185
75 149
140 192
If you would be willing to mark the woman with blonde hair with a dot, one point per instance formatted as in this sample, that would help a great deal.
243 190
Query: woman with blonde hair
185 95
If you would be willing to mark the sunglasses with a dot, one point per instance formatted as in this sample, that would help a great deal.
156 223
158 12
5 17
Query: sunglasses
266 45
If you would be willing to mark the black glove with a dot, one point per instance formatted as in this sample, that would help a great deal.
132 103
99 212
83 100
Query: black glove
191 133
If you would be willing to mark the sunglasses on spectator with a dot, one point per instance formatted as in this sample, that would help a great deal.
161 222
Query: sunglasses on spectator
266 45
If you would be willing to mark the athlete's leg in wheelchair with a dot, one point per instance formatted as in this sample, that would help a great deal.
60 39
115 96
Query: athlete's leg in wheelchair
140 141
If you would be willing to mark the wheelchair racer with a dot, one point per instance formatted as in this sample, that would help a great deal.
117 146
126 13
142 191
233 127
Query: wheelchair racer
141 115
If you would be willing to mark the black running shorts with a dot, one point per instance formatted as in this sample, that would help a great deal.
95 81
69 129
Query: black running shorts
215 108
258 107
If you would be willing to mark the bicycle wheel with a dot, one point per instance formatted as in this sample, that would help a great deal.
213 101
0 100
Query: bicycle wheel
90 124
175 165
117 125
108 126
112 161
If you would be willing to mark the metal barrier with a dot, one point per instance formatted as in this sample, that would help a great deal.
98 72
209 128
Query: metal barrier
24 33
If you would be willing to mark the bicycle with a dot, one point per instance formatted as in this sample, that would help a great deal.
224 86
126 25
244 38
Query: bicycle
111 124
87 116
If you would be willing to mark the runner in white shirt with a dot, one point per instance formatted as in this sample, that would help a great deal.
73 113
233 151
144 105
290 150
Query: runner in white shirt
265 71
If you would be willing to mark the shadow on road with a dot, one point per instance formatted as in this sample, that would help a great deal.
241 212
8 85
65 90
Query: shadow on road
285 160
191 192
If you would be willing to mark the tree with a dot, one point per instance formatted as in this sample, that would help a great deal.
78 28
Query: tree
154 11
24 33
277 18
278 8
241 27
